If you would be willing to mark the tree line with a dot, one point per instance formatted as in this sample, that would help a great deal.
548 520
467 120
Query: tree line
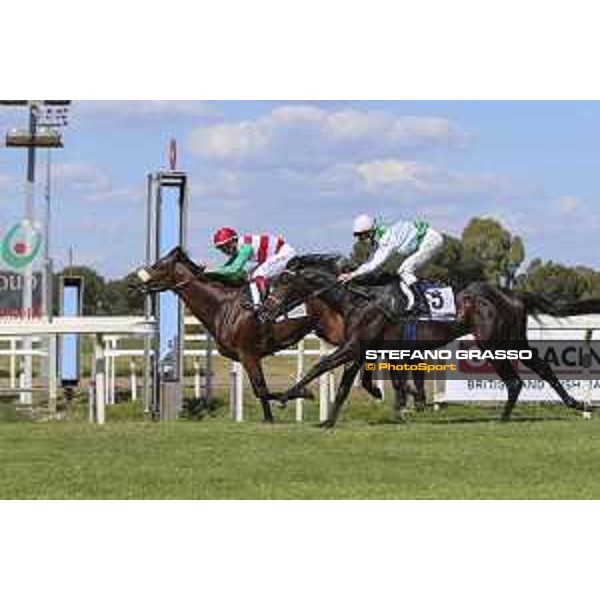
485 251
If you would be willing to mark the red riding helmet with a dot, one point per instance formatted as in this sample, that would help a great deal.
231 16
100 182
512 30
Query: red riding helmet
224 236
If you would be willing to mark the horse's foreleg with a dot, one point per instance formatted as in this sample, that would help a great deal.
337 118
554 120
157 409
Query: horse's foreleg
253 368
341 356
350 371
367 384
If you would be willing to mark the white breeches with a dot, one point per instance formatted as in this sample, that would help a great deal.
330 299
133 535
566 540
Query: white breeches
430 245
275 264
272 267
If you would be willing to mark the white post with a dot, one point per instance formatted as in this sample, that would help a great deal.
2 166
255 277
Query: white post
107 370
113 369
100 376
133 380
13 365
52 375
197 382
23 397
380 383
236 396
109 345
331 381
91 402
299 372
587 412
324 387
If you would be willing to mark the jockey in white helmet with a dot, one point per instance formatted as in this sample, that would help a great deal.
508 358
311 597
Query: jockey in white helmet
415 238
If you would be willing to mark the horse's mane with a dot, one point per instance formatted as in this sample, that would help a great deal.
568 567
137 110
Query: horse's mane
326 262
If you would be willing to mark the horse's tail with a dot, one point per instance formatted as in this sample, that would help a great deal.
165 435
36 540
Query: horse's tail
536 304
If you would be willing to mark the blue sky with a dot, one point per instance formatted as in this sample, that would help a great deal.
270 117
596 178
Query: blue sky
305 169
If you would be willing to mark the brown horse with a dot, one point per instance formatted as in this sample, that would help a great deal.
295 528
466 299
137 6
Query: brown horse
238 334
490 314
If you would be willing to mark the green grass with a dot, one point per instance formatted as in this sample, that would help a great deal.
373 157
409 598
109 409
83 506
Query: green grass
546 452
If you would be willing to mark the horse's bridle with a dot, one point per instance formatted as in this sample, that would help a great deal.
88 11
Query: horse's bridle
182 284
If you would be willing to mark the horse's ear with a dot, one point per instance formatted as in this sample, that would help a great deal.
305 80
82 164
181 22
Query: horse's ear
295 263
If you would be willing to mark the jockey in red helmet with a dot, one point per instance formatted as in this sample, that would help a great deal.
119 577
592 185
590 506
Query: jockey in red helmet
270 254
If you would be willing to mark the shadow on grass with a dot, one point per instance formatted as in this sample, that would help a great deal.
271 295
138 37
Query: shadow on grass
465 420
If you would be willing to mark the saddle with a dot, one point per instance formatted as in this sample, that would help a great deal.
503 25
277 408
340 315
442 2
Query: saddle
433 300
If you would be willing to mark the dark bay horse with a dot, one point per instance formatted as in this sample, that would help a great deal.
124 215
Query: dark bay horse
490 314
238 335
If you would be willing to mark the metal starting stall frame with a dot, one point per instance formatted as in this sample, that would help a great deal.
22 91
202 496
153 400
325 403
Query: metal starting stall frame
167 209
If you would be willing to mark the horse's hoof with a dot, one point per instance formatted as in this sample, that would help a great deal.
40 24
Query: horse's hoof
327 424
401 416
270 421
376 393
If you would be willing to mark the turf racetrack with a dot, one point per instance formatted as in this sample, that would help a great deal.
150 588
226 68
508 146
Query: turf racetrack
457 453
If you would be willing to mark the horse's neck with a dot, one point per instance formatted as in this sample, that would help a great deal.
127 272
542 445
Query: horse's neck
339 300
202 297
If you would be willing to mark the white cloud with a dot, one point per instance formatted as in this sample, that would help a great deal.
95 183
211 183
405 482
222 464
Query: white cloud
568 204
381 173
140 110
90 183
424 179
227 141
309 134
80 175
216 183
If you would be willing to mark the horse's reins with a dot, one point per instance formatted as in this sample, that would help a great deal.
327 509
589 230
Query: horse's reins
284 309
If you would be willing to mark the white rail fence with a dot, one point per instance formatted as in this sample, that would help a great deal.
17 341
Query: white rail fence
108 355
109 332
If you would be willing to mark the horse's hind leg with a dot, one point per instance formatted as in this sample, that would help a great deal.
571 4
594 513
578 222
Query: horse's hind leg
544 370
420 399
400 385
350 371
513 384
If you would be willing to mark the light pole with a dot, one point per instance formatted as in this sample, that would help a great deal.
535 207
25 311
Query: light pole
40 112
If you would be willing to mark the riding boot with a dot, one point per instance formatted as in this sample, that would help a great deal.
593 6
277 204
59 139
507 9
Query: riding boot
258 291
420 305
409 295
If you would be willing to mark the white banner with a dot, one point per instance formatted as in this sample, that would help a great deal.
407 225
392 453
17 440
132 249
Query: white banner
534 390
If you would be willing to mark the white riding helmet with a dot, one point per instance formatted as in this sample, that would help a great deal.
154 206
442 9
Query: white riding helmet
363 223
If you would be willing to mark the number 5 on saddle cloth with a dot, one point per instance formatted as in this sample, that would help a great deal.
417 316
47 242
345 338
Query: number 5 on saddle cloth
440 301
436 302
